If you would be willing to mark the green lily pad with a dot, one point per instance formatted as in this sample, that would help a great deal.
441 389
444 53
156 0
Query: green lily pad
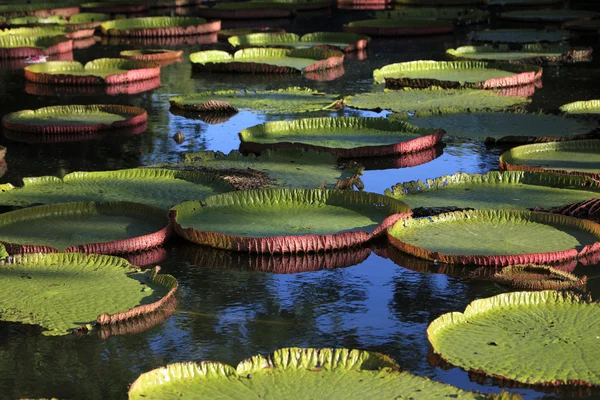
294 373
62 292
102 71
157 187
35 20
99 228
502 127
496 237
227 33
289 100
548 15
342 136
42 9
399 27
267 60
114 7
582 107
286 167
70 31
457 15
286 220
577 157
25 46
159 26
553 335
519 36
160 56
456 74
344 41
412 100
537 277
501 190
77 118
527 54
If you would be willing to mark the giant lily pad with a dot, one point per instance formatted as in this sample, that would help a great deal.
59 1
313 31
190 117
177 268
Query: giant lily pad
286 220
589 209
160 26
115 7
157 55
456 15
496 237
342 136
412 100
346 42
519 36
135 87
527 54
227 33
577 157
582 107
28 46
61 292
157 187
68 31
537 338
548 15
399 27
294 373
286 167
76 118
502 127
456 74
245 10
102 71
40 9
289 100
93 228
268 60
75 21
502 190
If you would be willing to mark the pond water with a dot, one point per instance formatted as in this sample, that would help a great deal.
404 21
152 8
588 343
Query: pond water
226 311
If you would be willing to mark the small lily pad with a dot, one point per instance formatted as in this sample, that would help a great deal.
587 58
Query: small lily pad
159 26
456 74
62 292
412 100
157 187
74 118
519 36
268 60
156 55
286 220
496 237
576 157
526 54
103 71
544 338
342 136
501 127
399 27
295 373
502 190
346 41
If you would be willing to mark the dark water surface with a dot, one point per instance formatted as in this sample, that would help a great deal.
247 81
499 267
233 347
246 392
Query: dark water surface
226 311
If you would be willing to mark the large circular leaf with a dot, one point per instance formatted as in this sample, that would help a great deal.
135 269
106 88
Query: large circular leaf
536 338
159 26
103 71
500 190
577 157
519 36
502 127
526 54
289 100
286 220
93 228
45 31
346 42
582 107
66 292
427 99
342 136
294 373
28 46
156 55
456 74
399 27
548 15
496 237
74 118
157 187
268 60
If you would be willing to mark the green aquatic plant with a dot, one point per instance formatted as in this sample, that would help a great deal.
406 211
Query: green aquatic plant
159 26
526 54
581 107
344 41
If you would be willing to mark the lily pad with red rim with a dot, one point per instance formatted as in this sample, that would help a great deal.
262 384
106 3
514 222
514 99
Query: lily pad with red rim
31 46
347 42
157 55
526 54
160 26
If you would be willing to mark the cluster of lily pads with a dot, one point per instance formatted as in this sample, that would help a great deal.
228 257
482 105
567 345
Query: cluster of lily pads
293 195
